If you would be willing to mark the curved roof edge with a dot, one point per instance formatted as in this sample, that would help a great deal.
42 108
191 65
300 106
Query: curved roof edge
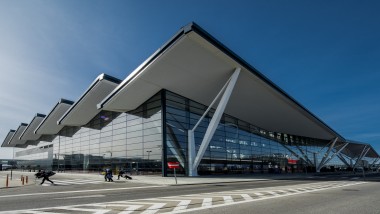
101 77
69 102
31 122
141 67
18 141
196 28
7 138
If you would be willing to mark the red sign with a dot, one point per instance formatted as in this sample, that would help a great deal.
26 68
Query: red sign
173 165
291 161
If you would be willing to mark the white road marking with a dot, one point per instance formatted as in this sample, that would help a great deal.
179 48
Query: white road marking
130 209
182 205
272 193
228 199
85 196
154 208
95 211
260 199
77 181
207 202
80 191
246 197
132 205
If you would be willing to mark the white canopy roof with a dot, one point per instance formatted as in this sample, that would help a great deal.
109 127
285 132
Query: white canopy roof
49 125
28 133
83 110
15 139
8 138
195 65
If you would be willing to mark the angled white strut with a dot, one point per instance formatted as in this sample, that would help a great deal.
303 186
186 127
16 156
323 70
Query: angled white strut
195 160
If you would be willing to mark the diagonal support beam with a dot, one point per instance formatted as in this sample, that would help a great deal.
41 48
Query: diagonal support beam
304 155
344 156
363 154
294 153
360 156
374 162
333 155
195 160
326 155
343 160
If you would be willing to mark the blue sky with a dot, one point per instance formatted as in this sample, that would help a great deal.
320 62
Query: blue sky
325 54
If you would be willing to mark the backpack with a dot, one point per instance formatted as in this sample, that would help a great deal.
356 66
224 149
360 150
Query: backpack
39 174
50 173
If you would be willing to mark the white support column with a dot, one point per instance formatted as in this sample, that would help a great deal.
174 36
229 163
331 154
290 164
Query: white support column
363 154
343 160
374 162
360 157
306 158
195 160
294 153
191 153
318 169
336 153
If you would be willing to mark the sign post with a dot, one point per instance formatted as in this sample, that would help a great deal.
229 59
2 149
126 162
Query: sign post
174 165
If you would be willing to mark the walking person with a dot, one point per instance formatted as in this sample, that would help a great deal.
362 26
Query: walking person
108 176
123 173
45 176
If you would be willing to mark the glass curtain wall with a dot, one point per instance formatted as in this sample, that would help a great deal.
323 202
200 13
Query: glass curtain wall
237 146
130 140
142 141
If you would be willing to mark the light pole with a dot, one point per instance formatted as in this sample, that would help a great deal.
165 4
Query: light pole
13 158
110 157
149 151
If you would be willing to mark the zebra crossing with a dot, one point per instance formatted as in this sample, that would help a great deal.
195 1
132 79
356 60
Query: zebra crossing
192 202
66 182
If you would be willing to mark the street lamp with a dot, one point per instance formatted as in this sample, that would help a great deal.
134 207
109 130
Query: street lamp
13 158
149 151
110 157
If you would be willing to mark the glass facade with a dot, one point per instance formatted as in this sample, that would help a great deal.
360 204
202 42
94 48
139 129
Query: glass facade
237 146
142 141
131 140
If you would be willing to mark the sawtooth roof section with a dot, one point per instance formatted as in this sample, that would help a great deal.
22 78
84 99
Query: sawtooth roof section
49 125
354 149
83 110
15 140
28 133
195 65
8 138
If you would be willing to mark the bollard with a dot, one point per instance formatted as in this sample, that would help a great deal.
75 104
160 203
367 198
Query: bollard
26 179
22 180
6 182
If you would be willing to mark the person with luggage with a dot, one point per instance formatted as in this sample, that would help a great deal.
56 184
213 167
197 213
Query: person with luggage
123 173
108 175
45 175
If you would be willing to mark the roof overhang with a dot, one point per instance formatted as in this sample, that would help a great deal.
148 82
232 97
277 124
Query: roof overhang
28 133
195 65
354 149
8 138
82 111
49 125
15 139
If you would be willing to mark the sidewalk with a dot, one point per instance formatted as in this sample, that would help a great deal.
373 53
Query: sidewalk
150 179
155 179
15 181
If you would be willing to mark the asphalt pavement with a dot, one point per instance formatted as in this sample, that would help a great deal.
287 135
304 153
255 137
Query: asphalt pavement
29 179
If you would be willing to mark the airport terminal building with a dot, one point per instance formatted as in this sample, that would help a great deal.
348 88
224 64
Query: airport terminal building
194 102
